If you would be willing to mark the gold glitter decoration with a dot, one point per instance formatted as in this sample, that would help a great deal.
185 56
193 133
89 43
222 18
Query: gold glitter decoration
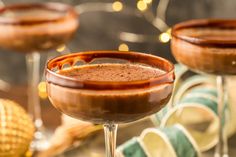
16 129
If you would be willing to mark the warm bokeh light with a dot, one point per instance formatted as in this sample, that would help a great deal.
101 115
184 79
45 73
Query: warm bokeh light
61 48
42 90
148 1
141 5
169 31
117 6
29 153
123 47
164 37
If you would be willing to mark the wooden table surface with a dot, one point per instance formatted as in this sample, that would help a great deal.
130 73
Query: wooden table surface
93 147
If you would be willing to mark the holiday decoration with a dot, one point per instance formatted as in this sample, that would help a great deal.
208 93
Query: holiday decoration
16 129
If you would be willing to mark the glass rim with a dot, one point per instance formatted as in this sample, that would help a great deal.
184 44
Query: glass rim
205 23
53 6
52 77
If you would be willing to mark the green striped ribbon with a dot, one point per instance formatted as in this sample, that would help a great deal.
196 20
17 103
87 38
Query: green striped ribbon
132 148
173 141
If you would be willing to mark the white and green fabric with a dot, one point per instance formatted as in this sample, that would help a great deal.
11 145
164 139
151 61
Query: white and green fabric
132 148
197 112
172 141
194 105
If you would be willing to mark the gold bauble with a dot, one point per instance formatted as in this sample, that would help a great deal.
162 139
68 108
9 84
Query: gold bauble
16 129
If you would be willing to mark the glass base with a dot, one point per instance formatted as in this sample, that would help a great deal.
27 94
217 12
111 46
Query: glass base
41 141
218 155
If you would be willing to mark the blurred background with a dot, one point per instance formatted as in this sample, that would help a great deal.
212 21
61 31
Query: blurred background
101 30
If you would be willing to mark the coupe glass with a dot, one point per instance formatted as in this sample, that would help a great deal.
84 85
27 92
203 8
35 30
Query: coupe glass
32 29
209 46
108 102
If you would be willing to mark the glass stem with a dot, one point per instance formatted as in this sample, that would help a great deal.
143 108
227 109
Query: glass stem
33 69
222 146
110 131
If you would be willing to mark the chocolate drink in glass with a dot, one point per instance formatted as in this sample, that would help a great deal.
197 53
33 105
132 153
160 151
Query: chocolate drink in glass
109 87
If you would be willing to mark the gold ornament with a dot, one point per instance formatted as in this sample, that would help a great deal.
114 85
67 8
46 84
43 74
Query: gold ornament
16 129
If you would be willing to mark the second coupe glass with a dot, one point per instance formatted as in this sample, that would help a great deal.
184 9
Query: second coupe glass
209 46
32 29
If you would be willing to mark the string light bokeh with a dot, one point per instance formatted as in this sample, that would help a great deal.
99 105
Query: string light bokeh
123 47
117 6
141 5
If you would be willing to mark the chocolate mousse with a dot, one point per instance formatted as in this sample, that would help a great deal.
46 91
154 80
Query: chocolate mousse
37 26
207 46
111 102
112 72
